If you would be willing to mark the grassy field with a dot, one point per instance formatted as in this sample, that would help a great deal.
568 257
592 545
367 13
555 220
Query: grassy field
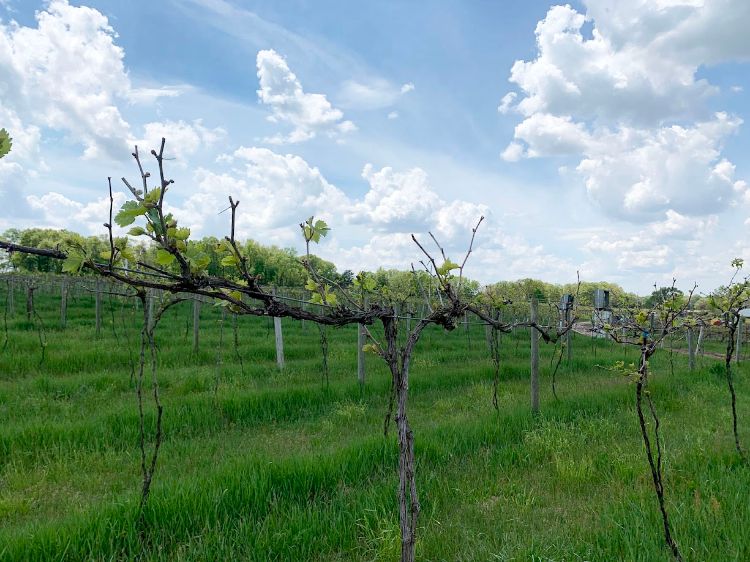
276 466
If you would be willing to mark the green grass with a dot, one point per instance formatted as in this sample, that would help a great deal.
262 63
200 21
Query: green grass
276 466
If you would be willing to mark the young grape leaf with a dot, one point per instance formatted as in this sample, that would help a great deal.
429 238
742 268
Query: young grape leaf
73 263
128 213
229 261
447 267
163 257
5 142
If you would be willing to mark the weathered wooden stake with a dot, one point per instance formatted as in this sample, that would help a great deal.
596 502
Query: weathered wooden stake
11 300
361 338
740 323
361 341
150 298
534 358
196 324
691 348
29 302
98 307
63 303
279 340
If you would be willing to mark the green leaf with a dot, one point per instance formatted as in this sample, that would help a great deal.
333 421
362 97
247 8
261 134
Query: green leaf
447 267
5 142
127 254
310 285
73 263
137 231
314 229
163 257
153 217
199 262
224 246
229 261
321 228
152 197
365 281
182 233
128 213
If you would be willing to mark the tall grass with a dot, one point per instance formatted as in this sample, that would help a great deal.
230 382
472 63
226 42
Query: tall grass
277 467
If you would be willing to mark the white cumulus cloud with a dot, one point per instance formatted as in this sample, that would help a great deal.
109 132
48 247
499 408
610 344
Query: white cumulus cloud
628 103
308 114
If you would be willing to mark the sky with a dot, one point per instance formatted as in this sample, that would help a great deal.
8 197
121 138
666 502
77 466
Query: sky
600 138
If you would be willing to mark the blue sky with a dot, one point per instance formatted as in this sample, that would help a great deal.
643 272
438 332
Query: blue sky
599 136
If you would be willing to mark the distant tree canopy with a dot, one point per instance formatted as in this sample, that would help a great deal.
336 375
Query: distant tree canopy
277 266
524 289
47 238
663 295
282 267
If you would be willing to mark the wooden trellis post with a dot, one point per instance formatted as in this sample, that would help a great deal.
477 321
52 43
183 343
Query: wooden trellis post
196 323
279 337
361 340
98 306
29 301
150 298
534 358
740 324
11 300
63 303
691 348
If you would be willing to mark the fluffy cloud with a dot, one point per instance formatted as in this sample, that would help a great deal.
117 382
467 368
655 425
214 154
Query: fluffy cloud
639 174
309 114
654 248
276 192
59 211
627 101
67 73
18 167
185 139
375 94
396 201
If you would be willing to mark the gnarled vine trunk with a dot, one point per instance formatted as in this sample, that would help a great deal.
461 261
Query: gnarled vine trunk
408 498
655 464
733 326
